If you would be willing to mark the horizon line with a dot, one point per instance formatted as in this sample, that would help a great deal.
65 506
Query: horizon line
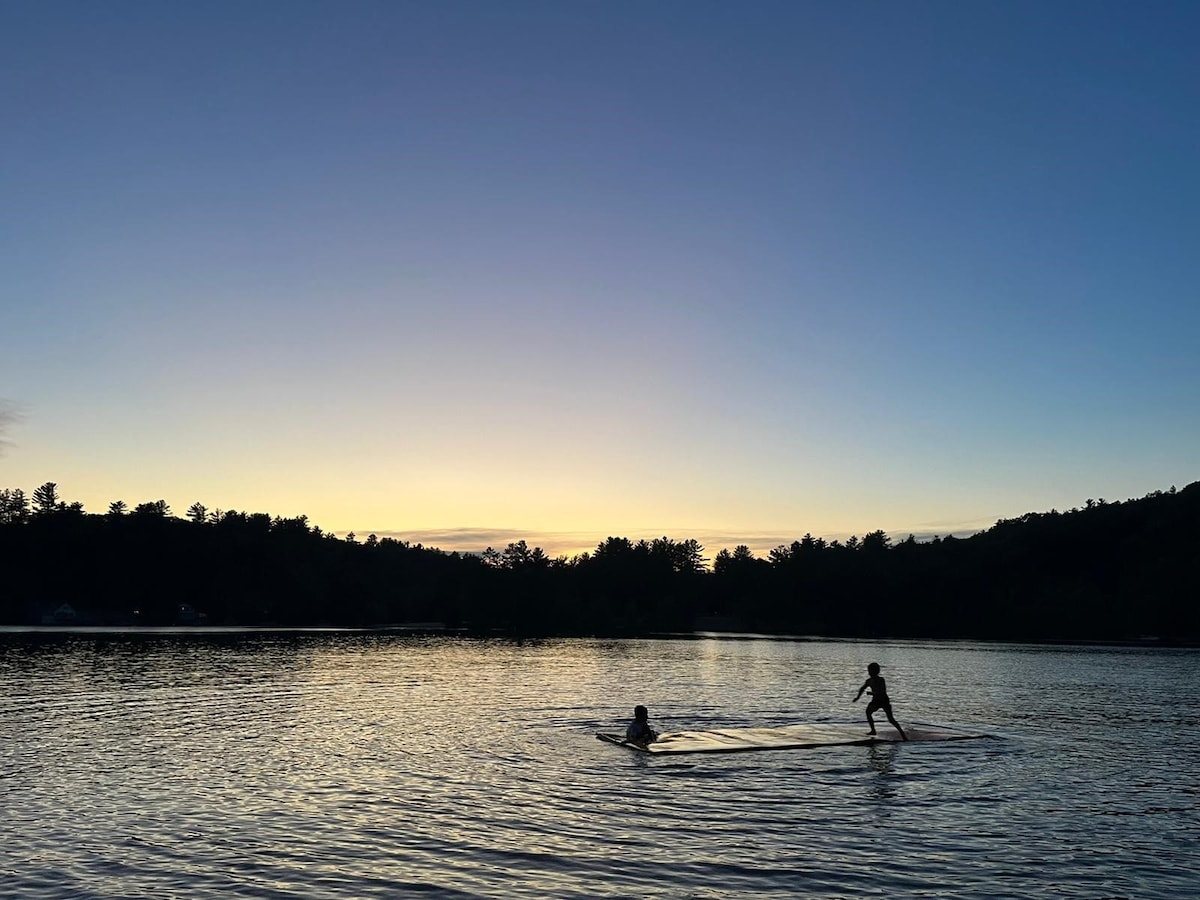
575 543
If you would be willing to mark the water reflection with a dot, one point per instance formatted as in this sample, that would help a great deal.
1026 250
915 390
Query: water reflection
881 758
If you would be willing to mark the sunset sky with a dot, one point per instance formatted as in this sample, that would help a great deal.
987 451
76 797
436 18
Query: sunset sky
468 272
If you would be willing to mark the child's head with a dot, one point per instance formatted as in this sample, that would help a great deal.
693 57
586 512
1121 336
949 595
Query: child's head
873 669
641 713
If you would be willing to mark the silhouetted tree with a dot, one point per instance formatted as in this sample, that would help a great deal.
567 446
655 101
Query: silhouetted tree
45 499
14 507
689 557
153 509
516 555
875 542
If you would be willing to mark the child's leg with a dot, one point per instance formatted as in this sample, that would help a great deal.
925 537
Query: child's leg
870 721
895 724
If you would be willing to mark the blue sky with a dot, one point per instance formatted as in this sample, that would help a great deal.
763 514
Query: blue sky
467 272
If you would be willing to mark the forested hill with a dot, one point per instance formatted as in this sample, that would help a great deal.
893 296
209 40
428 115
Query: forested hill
1109 571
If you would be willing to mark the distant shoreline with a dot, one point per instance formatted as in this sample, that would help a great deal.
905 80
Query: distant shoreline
424 630
1119 573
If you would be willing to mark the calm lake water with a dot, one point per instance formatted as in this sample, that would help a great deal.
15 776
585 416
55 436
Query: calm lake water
355 765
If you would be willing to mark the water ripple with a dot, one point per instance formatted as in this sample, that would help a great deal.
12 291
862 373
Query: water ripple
364 766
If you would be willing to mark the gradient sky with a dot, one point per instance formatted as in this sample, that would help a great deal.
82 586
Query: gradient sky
467 272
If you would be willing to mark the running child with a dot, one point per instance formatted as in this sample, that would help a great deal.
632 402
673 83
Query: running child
877 688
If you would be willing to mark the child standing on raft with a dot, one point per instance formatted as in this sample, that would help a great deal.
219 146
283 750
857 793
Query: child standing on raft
877 688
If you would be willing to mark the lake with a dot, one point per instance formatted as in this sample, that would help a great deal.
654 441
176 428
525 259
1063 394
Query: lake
358 765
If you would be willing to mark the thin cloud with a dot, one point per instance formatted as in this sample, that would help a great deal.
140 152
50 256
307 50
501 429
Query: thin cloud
8 418
573 543
958 528
475 540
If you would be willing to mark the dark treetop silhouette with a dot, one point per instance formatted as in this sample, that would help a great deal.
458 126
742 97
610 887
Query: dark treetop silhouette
1108 571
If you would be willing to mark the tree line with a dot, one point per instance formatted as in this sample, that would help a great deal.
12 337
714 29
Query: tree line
1112 571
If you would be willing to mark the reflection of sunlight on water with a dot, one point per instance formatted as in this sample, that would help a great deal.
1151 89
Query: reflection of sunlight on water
881 757
361 766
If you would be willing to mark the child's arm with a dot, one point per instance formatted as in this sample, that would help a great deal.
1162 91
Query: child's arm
860 690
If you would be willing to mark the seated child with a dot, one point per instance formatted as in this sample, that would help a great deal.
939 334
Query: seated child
639 730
